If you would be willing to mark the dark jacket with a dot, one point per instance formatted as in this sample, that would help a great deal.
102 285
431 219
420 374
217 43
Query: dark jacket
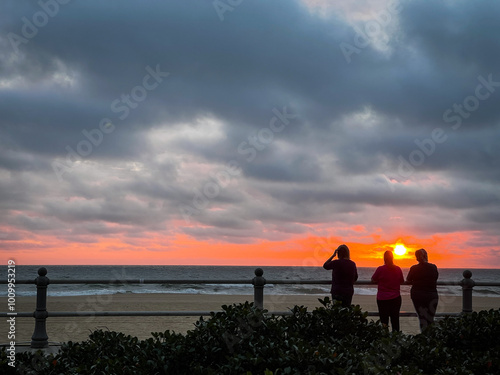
344 274
423 278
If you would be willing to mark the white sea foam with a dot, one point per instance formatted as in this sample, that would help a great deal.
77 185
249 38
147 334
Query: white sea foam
193 273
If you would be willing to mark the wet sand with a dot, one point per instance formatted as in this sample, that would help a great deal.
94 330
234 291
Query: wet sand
61 329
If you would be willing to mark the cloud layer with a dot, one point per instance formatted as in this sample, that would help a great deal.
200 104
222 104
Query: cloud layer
251 122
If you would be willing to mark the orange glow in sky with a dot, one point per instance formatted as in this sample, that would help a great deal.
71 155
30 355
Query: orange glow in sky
445 250
216 147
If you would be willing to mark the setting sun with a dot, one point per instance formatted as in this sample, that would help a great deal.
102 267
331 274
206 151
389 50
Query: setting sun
400 249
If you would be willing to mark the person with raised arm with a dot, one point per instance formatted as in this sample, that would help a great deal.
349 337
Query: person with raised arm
344 275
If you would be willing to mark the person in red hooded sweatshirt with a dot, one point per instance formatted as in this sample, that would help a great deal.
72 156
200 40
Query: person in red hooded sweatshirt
389 277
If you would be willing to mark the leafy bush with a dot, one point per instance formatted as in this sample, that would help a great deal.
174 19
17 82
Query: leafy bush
469 344
244 340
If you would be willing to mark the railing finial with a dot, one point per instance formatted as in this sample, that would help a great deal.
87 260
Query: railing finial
467 286
40 338
42 271
258 288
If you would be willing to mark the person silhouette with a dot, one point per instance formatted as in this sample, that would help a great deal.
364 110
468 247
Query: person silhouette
389 277
344 275
423 277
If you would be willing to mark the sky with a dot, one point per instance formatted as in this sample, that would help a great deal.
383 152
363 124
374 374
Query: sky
238 132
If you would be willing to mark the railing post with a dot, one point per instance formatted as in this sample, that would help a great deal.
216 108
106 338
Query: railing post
258 288
467 286
40 338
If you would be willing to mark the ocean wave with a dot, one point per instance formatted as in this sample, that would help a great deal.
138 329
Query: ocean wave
487 292
365 291
194 273
479 292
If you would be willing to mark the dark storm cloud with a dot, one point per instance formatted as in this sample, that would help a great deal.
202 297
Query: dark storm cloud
33 223
284 166
353 120
234 69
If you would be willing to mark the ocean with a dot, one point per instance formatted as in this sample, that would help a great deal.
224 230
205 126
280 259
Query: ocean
218 273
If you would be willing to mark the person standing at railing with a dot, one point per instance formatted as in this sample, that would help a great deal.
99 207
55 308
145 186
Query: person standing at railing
389 277
344 275
423 277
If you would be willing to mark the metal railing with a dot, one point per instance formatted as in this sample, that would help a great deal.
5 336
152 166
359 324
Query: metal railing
40 338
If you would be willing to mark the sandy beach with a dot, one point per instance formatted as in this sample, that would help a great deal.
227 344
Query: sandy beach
61 329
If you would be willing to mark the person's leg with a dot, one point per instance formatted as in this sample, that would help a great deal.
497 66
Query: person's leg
420 310
347 300
337 297
431 309
394 313
383 312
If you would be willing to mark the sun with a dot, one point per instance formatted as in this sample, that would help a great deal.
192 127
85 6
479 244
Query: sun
400 249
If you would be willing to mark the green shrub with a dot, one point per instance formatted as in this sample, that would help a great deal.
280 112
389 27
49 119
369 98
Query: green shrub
244 340
469 344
